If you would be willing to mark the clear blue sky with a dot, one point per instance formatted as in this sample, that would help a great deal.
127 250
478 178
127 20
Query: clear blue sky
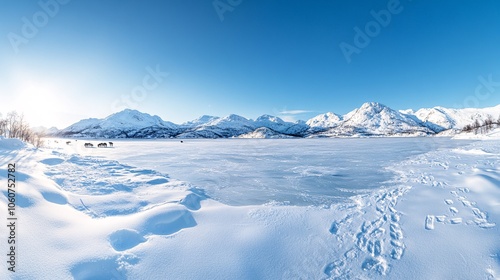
264 57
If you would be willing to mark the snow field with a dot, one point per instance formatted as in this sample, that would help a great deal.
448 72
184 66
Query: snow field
87 216
98 219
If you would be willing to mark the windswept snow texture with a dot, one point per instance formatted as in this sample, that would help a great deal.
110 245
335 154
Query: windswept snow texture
292 171
427 209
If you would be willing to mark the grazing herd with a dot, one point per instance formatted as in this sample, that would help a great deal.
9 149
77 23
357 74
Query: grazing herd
100 145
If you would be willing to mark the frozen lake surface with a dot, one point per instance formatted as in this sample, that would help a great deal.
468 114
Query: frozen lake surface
289 171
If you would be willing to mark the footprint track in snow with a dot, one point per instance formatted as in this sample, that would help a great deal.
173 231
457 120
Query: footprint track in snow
480 218
377 241
429 222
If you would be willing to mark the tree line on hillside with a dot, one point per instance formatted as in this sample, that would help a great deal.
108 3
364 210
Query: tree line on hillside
15 126
484 127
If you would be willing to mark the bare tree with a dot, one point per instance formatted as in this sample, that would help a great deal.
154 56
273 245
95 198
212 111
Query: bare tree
15 126
12 124
467 128
476 126
37 140
3 127
23 129
488 123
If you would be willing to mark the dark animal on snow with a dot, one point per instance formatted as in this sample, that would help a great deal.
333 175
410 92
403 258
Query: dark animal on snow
110 144
89 145
102 145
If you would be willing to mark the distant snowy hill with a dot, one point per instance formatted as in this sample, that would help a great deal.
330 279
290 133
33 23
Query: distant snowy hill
125 124
371 119
280 126
327 120
440 119
45 131
265 133
200 121
226 127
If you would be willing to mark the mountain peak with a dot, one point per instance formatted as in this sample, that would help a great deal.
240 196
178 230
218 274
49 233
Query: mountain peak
325 120
373 106
234 117
131 117
374 118
201 121
206 118
269 118
127 112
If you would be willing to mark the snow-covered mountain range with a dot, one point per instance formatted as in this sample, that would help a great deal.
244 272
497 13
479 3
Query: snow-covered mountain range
371 119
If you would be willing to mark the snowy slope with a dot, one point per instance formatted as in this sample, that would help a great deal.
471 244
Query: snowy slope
273 123
297 128
439 118
125 124
264 133
327 120
490 135
9 144
199 121
229 126
133 119
377 119
80 126
45 131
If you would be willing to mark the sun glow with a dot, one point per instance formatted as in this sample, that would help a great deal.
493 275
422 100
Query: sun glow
38 101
